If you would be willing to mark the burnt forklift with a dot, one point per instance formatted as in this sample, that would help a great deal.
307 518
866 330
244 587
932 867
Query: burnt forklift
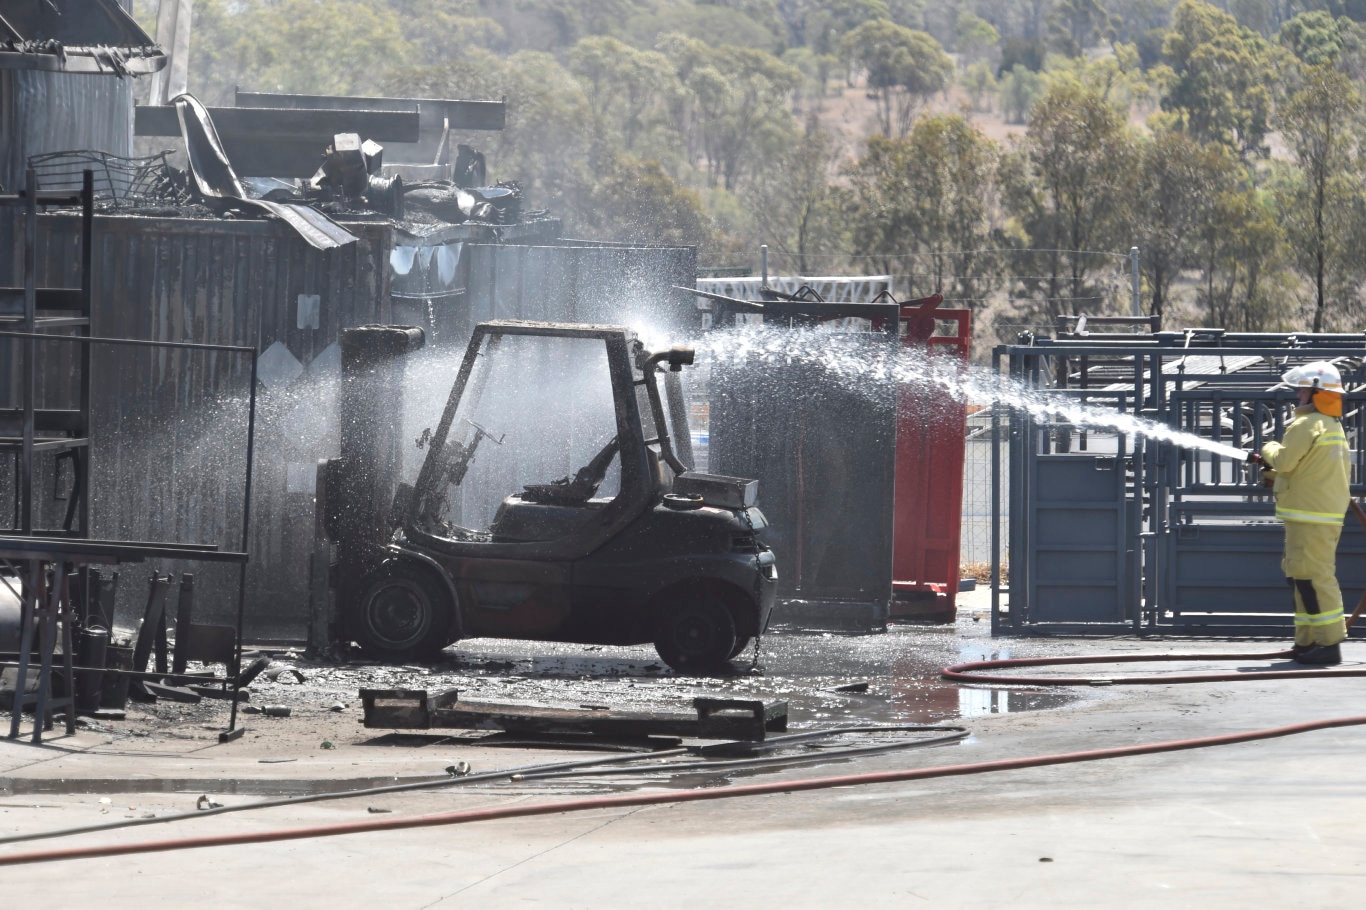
555 502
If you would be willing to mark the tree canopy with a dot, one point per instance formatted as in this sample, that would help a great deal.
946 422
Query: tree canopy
1007 154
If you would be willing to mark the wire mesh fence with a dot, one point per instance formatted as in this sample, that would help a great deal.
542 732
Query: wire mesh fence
975 542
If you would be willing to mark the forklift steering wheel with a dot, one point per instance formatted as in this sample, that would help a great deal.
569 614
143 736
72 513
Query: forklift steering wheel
480 431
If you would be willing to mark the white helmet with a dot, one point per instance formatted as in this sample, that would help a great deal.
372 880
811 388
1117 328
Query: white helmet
1319 375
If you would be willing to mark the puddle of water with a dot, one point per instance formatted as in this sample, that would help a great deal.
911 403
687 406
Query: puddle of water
898 674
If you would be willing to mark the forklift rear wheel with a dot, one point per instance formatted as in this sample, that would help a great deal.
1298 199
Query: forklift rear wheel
696 633
402 615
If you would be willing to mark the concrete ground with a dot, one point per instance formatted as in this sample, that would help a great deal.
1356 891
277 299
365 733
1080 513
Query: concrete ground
1268 823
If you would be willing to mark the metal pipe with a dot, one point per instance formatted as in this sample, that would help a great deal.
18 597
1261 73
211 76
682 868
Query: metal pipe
676 358
246 538
30 381
1133 276
134 342
81 464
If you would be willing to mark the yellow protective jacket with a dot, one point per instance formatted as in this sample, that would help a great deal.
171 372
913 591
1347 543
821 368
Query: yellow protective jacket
1313 468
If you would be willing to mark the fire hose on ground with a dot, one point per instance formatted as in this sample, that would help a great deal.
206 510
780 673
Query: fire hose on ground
969 672
654 799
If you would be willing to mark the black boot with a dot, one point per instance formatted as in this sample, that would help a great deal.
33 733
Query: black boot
1297 650
1321 655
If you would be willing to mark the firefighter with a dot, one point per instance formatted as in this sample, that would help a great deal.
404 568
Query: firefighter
1311 466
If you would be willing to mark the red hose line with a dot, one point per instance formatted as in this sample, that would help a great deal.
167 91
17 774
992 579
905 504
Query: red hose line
652 799
970 672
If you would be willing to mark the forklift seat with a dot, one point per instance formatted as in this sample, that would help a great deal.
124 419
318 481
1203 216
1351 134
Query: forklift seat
520 519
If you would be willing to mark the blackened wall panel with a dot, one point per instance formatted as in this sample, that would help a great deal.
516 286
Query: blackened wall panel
43 112
170 425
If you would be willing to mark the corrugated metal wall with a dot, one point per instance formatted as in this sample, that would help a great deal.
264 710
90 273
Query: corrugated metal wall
587 283
169 433
58 112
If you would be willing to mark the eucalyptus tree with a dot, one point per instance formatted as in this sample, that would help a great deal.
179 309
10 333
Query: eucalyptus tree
627 89
1067 187
1179 189
290 46
975 38
1223 77
902 67
638 202
1241 256
1075 25
735 107
794 201
1019 90
819 24
979 84
926 206
1321 201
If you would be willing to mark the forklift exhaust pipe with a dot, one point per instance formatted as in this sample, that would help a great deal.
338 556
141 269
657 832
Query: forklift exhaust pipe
357 488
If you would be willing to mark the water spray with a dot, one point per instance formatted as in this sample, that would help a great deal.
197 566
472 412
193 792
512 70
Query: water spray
871 368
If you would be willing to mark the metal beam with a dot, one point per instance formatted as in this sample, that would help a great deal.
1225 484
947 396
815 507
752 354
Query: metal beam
276 124
460 115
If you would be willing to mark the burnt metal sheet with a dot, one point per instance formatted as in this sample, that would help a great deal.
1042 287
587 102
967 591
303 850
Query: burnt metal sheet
437 118
459 114
712 718
265 124
265 142
75 36
217 181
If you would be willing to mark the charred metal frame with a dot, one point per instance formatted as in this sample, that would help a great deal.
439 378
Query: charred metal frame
635 469
45 554
101 39
612 580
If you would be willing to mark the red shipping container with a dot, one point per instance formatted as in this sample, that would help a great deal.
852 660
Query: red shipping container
930 448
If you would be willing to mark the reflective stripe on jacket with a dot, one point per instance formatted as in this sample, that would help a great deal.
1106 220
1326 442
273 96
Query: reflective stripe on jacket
1313 468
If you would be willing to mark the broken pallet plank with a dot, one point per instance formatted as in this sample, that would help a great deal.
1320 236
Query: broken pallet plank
712 718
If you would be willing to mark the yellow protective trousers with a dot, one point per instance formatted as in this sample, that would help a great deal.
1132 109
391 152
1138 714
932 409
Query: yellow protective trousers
1310 565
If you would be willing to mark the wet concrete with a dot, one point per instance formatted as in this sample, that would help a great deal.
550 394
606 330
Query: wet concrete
826 678
1234 826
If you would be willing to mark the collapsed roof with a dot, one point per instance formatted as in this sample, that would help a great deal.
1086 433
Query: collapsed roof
75 36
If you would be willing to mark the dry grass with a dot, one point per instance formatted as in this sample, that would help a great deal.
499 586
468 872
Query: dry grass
981 571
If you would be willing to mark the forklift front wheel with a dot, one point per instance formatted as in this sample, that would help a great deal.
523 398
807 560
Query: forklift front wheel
402 615
696 632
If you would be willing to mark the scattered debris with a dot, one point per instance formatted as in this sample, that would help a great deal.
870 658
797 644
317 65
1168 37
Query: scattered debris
276 711
205 803
172 693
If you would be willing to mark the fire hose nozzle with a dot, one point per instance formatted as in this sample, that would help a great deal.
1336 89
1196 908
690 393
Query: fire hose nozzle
1254 458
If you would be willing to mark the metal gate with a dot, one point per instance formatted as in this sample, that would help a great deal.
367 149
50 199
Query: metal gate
1115 528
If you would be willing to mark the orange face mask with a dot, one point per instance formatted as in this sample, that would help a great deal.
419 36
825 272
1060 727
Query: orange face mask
1329 403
